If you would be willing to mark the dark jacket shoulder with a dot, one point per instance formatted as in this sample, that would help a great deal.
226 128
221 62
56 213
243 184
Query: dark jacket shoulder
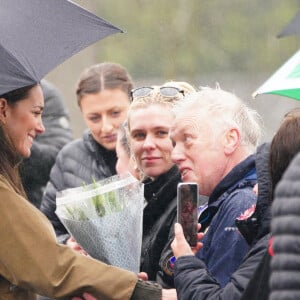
76 164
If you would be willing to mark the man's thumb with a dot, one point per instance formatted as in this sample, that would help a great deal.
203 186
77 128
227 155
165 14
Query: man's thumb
178 230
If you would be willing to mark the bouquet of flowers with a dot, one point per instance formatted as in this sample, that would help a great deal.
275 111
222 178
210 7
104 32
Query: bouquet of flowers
105 218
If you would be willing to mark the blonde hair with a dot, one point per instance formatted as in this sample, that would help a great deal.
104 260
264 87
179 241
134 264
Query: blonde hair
185 86
155 97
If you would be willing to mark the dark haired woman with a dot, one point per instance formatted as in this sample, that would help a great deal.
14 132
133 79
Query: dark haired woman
31 261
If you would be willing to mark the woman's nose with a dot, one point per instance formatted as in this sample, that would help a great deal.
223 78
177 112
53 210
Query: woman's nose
40 129
107 125
149 142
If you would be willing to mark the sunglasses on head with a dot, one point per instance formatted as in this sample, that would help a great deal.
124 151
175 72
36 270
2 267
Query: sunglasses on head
166 91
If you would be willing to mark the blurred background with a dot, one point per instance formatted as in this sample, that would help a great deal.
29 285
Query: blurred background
204 42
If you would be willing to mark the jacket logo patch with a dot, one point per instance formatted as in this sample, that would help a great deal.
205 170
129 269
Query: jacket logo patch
169 264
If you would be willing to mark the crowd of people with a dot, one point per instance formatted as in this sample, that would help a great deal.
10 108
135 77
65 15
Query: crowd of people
163 135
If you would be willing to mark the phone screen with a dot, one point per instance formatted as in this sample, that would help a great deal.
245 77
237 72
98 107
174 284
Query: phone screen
187 210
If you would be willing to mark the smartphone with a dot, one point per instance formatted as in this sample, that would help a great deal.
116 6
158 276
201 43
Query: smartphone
187 210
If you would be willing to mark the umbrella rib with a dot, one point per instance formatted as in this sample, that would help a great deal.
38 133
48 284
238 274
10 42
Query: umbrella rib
14 61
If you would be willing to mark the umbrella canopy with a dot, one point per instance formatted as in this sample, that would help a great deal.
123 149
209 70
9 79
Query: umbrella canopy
293 28
285 81
38 35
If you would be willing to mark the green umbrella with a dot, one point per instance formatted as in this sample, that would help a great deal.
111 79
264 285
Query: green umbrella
285 81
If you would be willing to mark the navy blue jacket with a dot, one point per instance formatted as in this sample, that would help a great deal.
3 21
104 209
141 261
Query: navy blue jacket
223 245
192 279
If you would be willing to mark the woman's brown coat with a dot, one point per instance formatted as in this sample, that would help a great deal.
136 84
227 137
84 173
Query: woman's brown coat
31 262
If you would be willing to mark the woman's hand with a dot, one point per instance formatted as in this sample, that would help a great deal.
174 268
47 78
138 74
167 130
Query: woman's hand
180 246
143 276
71 242
85 296
169 294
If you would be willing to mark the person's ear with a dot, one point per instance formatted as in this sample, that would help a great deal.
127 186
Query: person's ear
232 140
3 110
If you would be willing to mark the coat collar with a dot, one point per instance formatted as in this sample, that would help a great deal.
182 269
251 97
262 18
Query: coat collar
102 155
242 174
167 181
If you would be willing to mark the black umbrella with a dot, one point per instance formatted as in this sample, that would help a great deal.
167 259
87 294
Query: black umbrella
38 35
293 28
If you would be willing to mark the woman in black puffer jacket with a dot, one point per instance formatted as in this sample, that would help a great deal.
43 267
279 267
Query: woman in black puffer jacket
103 95
285 264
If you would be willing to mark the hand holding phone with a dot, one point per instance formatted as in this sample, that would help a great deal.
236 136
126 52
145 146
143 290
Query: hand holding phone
187 210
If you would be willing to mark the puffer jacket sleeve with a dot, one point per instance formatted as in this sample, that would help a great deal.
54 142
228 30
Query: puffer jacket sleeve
48 205
30 257
285 225
193 281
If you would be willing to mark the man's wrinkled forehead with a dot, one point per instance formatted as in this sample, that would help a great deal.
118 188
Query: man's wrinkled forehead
184 121
178 126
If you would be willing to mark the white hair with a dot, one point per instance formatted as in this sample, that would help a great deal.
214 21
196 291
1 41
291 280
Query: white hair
226 110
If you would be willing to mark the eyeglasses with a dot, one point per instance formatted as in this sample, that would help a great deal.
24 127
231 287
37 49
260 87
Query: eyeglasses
166 91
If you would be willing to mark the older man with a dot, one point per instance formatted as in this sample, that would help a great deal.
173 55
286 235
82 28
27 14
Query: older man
215 135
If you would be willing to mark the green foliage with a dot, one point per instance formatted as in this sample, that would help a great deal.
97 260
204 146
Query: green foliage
76 214
98 201
102 204
186 38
